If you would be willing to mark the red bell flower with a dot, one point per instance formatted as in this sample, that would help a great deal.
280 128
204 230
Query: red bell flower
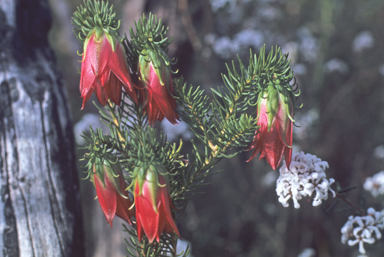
104 69
110 189
274 137
153 206
157 95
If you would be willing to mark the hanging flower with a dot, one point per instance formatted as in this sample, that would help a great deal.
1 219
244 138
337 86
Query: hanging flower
104 69
274 137
110 188
157 94
153 205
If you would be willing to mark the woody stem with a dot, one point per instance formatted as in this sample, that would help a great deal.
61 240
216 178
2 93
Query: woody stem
174 244
359 210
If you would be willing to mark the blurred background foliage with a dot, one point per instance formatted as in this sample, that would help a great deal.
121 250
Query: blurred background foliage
336 49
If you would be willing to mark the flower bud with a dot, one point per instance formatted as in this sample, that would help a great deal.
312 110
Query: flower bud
110 188
157 94
153 203
104 69
274 136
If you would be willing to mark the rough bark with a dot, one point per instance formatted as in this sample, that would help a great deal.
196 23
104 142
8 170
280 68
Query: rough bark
40 211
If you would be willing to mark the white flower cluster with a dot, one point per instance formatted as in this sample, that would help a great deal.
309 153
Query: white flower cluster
375 184
305 177
364 229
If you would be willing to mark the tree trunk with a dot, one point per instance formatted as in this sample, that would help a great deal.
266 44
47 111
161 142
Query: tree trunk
40 211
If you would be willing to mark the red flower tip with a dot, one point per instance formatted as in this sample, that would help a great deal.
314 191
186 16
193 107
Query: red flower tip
157 93
274 137
104 70
153 206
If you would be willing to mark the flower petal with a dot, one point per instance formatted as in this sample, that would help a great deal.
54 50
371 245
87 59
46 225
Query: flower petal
100 93
166 209
119 67
123 204
102 55
113 89
86 98
165 102
149 218
107 198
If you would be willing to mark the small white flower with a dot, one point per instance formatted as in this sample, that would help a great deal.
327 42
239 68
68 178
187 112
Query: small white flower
301 69
293 49
309 45
375 184
248 37
362 41
336 65
307 252
306 177
365 229
224 47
